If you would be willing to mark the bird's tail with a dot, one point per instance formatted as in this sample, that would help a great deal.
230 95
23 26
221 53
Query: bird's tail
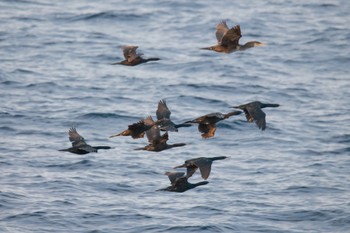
178 144
218 158
153 59
102 147
64 150
116 63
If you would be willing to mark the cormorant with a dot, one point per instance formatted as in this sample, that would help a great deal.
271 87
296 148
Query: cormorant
179 183
228 39
137 130
163 116
207 123
158 142
203 163
253 112
79 145
132 58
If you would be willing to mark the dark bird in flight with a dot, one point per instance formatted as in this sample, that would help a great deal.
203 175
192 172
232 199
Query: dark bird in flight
132 58
157 142
163 116
79 145
179 183
137 130
253 112
228 39
203 163
207 123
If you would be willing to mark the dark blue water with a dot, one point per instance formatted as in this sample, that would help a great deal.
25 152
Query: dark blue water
55 74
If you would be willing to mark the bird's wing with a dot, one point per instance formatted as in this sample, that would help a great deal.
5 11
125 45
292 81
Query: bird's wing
166 125
191 169
181 182
75 138
203 128
174 175
248 116
207 130
148 121
163 110
232 36
164 138
204 166
130 52
258 115
153 134
221 29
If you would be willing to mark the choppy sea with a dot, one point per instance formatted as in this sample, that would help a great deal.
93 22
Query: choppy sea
55 73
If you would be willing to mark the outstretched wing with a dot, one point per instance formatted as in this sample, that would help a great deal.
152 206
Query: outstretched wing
153 134
207 130
75 138
232 36
163 110
174 175
130 52
204 166
221 29
258 115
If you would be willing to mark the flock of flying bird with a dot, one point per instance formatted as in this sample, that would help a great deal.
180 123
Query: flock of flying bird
228 41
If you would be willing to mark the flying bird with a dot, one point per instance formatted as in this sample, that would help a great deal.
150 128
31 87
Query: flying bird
207 123
203 163
179 183
79 146
132 58
137 130
158 142
163 116
253 112
228 39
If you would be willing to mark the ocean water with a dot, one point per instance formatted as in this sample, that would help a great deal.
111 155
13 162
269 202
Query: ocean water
55 73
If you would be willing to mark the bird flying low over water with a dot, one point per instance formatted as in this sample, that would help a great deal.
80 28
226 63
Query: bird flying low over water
132 58
79 145
179 183
137 130
207 123
228 39
203 163
253 112
163 116
157 142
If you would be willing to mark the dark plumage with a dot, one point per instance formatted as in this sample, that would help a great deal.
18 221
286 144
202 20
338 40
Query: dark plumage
203 163
163 116
253 112
207 123
228 39
137 130
157 142
132 58
179 183
79 145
